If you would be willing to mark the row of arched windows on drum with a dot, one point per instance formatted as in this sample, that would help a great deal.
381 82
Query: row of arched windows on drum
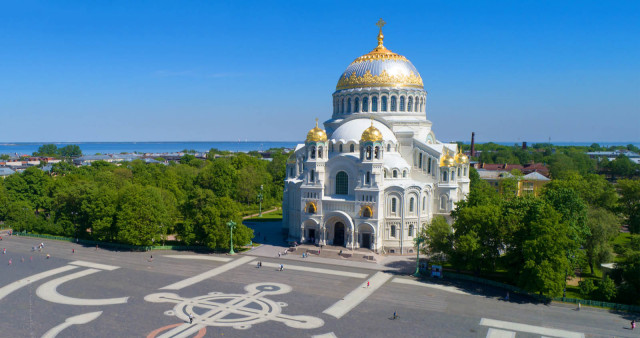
410 104
313 153
372 152
412 205
446 174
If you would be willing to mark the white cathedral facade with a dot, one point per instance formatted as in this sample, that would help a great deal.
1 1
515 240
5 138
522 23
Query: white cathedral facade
377 175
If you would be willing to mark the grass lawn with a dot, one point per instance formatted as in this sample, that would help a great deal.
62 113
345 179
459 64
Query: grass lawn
270 217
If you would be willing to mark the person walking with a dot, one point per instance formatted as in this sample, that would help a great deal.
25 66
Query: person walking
281 267
191 318
10 261
73 250
367 284
395 315
633 324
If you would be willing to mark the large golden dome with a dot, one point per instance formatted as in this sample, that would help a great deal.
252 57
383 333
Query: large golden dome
380 68
316 134
371 134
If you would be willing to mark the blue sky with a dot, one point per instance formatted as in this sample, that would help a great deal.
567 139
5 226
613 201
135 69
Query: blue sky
208 71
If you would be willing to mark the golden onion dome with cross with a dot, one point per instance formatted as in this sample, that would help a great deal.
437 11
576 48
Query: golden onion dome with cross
380 68
371 134
461 158
316 134
447 160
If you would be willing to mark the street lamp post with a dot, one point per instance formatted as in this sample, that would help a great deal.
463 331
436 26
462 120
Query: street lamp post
260 197
231 225
418 240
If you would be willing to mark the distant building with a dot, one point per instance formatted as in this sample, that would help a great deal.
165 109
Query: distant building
524 168
612 155
4 172
529 184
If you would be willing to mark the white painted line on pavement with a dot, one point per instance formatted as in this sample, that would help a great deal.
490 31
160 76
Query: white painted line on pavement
357 296
208 274
75 320
204 258
427 285
48 291
95 265
326 335
497 333
8 289
318 270
530 329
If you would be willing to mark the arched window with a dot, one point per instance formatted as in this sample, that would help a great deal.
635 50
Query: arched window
393 231
367 179
342 106
352 148
419 160
356 109
368 153
453 175
312 176
348 105
429 166
444 175
422 105
401 103
320 152
465 171
424 202
412 201
365 104
411 230
410 104
374 104
293 172
385 174
376 152
312 152
383 105
417 104
393 103
342 183
394 203
443 202
404 174
395 174
389 147
459 172
340 147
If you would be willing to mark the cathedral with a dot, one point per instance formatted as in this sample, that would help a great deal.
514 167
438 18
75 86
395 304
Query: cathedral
376 175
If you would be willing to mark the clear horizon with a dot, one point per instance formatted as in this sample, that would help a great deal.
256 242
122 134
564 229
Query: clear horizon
161 70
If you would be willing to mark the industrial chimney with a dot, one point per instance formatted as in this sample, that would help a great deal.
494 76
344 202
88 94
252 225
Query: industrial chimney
473 144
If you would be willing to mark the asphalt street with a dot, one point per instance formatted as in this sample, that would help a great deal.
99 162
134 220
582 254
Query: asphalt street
105 293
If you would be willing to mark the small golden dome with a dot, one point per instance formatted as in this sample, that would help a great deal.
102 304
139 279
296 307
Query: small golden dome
316 134
462 158
371 134
447 160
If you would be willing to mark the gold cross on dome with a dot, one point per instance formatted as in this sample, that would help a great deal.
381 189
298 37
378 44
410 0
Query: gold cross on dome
380 23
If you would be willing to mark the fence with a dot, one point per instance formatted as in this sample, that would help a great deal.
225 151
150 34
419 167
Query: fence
116 245
515 289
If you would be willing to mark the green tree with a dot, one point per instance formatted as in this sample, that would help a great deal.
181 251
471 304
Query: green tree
628 271
478 237
20 216
143 216
629 191
219 176
47 150
70 150
438 237
606 289
622 166
38 188
603 226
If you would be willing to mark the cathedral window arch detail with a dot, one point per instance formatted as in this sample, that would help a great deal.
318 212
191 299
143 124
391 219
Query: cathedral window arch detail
383 105
365 104
356 108
412 202
401 103
348 105
393 103
410 104
374 103
352 148
393 231
410 230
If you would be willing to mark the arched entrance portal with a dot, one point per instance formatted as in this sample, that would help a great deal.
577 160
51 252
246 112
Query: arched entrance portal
338 234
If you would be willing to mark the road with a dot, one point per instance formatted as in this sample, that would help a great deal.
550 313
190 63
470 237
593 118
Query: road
102 293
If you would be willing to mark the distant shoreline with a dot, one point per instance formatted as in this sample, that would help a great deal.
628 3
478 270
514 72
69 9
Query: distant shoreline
91 148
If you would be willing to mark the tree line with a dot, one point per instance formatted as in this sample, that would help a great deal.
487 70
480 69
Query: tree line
536 242
141 204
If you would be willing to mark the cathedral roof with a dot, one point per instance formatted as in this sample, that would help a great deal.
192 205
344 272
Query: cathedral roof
352 131
380 68
371 134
